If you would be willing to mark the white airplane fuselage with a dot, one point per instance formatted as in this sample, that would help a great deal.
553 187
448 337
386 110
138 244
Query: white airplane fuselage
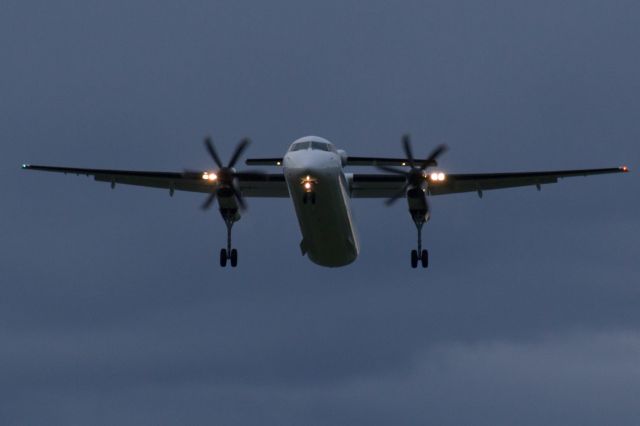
323 206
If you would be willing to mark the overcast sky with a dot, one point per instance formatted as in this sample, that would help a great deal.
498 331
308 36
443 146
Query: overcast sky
113 309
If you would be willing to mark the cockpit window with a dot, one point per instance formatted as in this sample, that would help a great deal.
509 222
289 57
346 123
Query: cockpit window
320 146
300 146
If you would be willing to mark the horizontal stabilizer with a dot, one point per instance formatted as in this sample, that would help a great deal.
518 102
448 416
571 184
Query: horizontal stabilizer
263 162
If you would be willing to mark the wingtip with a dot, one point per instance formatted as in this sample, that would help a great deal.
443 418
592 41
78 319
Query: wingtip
623 169
25 166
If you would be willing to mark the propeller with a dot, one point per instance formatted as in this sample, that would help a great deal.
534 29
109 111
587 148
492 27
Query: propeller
416 174
227 175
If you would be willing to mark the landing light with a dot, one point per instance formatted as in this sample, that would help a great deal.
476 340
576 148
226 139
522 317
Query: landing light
437 176
308 183
209 176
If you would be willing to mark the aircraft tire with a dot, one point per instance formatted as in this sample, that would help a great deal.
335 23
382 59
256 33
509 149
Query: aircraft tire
234 258
223 257
414 258
424 258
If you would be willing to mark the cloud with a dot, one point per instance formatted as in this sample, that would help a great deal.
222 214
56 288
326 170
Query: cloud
575 378
581 378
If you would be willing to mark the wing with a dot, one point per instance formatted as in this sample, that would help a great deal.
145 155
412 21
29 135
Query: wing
384 186
251 184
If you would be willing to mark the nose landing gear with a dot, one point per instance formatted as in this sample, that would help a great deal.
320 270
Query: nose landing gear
309 198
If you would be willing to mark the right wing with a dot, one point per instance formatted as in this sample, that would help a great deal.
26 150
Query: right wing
386 185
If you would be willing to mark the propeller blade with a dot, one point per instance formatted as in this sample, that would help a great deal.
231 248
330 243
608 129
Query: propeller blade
397 195
393 170
431 160
212 151
244 143
406 144
241 202
209 201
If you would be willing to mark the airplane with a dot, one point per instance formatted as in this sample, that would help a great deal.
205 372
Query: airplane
313 176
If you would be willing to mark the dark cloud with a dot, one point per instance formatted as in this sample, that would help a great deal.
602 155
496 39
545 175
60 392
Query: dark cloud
113 309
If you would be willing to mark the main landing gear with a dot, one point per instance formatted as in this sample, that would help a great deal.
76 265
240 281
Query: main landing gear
228 194
229 254
415 189
420 255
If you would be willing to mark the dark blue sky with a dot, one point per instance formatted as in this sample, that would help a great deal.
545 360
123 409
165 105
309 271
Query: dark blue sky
113 307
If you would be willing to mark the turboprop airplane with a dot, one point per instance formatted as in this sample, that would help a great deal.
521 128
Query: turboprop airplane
313 176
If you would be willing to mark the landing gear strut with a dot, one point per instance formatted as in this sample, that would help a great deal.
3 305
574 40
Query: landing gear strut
228 254
420 255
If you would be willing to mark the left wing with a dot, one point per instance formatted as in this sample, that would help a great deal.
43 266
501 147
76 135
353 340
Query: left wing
384 186
250 184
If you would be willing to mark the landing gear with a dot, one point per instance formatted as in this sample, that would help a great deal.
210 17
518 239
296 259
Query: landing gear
416 187
309 198
229 254
420 255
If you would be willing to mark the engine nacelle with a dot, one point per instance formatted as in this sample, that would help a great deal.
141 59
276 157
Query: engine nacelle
343 156
228 203
418 206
